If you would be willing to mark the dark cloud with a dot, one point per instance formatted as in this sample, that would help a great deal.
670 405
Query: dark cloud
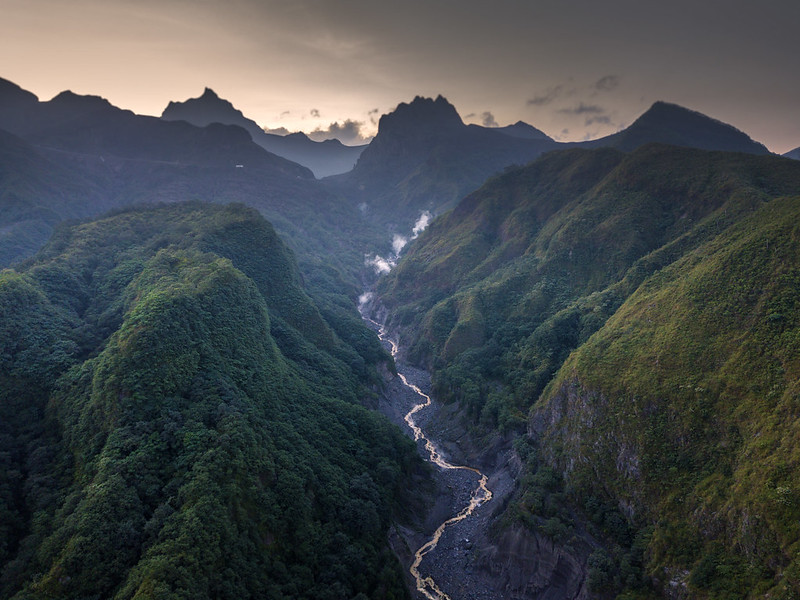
547 97
599 119
315 113
373 115
347 132
607 83
582 109
489 120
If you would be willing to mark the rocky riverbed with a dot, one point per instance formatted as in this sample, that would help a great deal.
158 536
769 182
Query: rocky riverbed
469 562
455 562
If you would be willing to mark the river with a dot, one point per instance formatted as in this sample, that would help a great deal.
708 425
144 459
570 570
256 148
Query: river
426 586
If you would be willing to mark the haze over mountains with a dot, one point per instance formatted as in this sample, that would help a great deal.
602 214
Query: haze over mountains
186 384
323 158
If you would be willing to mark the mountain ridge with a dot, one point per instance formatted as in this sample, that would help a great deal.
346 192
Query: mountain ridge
323 158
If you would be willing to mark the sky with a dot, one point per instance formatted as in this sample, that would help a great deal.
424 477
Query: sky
576 69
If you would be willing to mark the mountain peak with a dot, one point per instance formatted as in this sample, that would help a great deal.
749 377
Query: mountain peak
524 130
77 103
421 115
209 94
673 124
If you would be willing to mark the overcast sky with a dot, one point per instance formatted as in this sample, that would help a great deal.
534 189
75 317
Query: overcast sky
576 69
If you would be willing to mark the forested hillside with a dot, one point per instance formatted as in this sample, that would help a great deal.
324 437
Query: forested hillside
180 419
630 319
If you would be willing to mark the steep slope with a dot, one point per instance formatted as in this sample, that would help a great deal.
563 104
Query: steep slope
35 194
425 158
683 407
795 154
555 300
672 124
323 158
180 420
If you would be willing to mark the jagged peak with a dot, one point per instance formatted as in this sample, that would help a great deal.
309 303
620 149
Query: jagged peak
421 113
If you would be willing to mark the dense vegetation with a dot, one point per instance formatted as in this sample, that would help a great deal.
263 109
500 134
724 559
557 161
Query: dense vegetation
180 419
635 315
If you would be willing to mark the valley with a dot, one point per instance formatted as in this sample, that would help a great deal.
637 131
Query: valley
575 374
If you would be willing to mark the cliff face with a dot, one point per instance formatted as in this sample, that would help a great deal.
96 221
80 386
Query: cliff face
530 566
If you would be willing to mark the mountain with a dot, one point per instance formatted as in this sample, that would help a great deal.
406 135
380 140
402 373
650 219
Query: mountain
424 158
323 158
795 154
629 320
93 157
522 130
672 124
178 418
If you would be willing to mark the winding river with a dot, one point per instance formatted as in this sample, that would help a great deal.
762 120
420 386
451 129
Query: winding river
482 494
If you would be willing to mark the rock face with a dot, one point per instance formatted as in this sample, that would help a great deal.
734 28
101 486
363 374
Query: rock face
323 158
529 566
424 158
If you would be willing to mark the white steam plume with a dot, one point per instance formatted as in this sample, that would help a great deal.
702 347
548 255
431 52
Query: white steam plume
384 265
421 223
398 243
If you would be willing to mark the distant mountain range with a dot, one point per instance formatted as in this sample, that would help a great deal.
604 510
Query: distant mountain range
79 156
795 154
323 158
425 158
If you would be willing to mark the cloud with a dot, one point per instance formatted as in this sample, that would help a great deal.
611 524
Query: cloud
347 132
607 83
582 109
489 120
547 97
277 131
315 113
